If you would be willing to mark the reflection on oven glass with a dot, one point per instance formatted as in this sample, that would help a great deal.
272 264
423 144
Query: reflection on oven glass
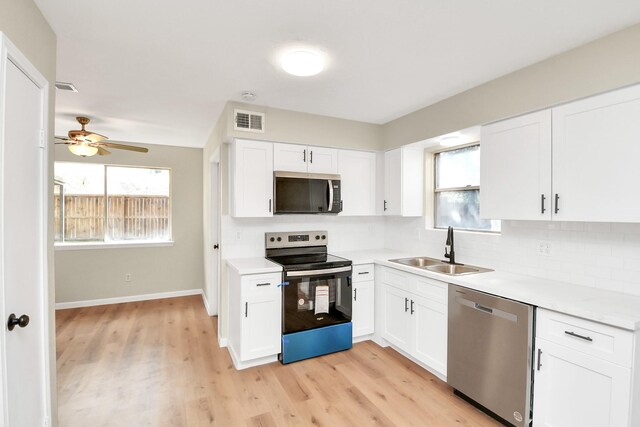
308 293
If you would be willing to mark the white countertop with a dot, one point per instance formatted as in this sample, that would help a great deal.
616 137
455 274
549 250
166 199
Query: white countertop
255 265
611 308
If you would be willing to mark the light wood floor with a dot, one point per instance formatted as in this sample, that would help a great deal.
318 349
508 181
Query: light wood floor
157 363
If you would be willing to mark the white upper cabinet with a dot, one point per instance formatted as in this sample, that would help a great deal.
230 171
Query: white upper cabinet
515 168
251 178
304 158
596 147
357 171
582 160
404 182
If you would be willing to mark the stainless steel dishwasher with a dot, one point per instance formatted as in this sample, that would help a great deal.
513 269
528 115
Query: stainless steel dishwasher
490 346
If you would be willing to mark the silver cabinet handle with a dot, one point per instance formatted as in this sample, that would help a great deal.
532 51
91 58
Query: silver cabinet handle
412 310
406 307
246 309
539 357
355 294
582 337
304 156
263 284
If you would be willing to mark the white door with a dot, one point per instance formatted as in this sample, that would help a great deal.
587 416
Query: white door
430 338
397 320
23 251
392 182
515 168
595 158
322 160
214 249
261 326
573 389
363 308
290 157
358 182
252 175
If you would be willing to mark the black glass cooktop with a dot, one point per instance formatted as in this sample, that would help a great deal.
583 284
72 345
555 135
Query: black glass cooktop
309 261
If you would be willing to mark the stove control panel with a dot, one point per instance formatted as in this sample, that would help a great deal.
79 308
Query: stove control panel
296 239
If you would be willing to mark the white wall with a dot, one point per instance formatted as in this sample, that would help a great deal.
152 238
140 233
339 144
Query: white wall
601 255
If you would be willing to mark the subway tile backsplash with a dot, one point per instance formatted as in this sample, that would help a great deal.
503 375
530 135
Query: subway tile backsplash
601 255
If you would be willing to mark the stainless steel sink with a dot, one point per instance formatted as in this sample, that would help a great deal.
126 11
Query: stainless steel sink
438 266
456 269
420 262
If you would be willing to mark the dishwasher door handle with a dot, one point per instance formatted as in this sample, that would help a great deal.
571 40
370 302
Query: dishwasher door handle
483 308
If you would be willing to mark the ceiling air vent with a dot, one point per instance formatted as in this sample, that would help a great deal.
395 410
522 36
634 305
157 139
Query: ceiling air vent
249 121
66 86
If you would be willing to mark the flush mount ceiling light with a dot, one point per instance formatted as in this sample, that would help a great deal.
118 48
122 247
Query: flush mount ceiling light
248 96
302 62
450 140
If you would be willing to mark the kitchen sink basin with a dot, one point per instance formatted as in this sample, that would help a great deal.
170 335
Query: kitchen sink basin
438 266
420 262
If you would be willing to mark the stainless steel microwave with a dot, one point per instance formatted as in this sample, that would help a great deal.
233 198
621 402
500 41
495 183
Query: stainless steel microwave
306 193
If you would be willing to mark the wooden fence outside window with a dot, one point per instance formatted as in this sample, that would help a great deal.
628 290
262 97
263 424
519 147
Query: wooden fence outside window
128 218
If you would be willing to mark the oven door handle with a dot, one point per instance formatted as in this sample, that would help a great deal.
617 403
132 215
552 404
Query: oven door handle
317 272
330 195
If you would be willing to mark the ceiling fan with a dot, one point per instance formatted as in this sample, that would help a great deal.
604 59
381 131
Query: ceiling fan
84 143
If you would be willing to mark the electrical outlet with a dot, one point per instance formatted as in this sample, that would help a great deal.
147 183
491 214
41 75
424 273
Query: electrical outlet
238 235
128 277
544 248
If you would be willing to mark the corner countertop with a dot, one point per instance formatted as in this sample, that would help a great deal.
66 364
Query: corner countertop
255 265
608 307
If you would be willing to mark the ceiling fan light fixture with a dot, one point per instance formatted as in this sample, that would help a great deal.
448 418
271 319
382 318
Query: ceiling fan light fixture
302 62
83 150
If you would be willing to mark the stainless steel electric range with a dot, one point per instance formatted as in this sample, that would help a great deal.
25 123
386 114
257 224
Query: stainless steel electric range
316 295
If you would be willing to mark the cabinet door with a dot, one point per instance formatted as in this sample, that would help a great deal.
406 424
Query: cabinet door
363 308
252 178
358 180
412 182
575 389
515 168
261 326
392 182
430 333
595 157
290 157
322 160
397 319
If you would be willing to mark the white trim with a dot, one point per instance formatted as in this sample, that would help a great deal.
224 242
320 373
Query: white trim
131 298
206 303
67 246
222 342
9 52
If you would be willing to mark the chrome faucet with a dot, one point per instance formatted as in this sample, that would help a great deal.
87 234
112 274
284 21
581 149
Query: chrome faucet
449 251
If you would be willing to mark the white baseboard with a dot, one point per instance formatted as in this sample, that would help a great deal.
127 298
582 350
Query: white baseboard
222 342
206 304
131 298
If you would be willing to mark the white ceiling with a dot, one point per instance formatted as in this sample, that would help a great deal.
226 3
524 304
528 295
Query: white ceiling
160 71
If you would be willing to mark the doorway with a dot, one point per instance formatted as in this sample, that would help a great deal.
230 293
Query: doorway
213 248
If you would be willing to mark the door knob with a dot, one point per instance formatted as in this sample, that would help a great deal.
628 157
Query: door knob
216 246
21 321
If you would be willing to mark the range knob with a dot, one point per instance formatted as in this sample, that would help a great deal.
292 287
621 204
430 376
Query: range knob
317 237
279 239
273 239
324 237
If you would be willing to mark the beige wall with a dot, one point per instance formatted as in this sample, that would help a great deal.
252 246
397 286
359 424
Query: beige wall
22 22
88 274
311 129
599 66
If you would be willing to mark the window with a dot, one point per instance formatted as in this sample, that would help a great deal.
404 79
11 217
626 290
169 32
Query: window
457 190
105 203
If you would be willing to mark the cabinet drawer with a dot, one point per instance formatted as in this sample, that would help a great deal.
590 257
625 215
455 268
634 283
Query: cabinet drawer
398 279
432 289
363 273
602 341
260 283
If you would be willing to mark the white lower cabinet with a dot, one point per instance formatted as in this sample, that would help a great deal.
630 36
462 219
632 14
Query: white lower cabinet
414 317
576 382
255 313
362 314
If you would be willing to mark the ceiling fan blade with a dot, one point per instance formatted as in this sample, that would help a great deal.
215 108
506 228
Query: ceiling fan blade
102 151
63 138
95 137
124 147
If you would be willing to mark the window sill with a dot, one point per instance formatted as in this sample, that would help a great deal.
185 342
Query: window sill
67 246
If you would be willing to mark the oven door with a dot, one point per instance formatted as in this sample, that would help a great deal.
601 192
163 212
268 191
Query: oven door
313 299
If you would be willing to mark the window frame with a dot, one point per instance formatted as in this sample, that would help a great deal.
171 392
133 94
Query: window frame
437 190
108 243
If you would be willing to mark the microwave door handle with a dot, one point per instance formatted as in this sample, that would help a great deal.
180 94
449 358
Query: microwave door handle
330 195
